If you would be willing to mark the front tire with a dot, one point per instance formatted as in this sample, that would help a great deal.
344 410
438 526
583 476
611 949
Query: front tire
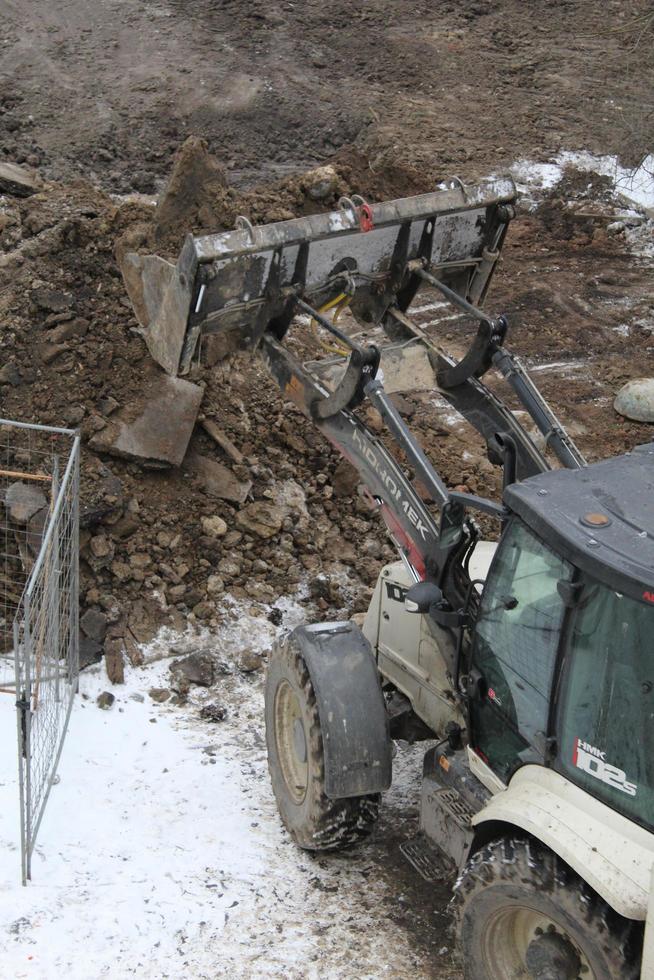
523 913
296 760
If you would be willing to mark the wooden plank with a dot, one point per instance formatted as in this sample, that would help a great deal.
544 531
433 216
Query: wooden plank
222 439
16 474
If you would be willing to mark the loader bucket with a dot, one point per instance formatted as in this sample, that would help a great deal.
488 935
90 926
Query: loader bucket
242 283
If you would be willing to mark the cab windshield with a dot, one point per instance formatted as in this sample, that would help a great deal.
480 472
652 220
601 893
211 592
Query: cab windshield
606 709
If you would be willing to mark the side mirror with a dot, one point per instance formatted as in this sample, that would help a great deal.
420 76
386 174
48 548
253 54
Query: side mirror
421 597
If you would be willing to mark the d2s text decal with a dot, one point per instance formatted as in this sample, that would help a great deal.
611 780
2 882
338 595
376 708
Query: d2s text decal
593 761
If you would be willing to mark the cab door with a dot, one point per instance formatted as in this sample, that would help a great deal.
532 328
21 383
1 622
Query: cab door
514 651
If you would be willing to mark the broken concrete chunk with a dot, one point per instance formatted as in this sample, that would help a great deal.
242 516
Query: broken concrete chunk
218 480
635 400
156 428
23 501
18 181
261 519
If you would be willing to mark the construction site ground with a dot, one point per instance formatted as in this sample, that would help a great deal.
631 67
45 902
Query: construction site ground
395 95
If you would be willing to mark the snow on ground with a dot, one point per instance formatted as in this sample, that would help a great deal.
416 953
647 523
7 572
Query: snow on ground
636 185
161 854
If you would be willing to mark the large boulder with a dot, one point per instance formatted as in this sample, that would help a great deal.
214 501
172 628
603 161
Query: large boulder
635 400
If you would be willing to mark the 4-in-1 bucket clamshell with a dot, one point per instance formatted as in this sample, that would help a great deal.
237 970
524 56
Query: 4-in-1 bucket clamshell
254 279
247 285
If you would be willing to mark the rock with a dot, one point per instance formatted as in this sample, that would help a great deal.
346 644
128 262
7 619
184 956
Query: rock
121 571
203 610
215 585
94 625
105 700
73 328
107 406
90 652
155 428
9 374
261 518
102 551
345 480
159 694
320 183
213 712
73 414
50 352
125 527
144 619
291 498
635 400
140 560
132 650
229 567
275 616
114 660
403 405
248 661
17 181
196 668
23 501
217 479
213 527
51 300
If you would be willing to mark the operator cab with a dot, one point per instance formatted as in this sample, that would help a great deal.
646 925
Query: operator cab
561 669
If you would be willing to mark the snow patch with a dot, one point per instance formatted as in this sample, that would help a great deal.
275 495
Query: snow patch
161 853
637 185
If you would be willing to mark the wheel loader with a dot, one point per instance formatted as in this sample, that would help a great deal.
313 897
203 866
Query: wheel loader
521 655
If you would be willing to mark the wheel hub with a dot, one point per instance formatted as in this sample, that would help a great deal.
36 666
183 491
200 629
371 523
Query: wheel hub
552 957
522 941
291 741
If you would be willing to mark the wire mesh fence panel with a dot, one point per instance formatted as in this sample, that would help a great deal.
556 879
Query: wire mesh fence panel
39 586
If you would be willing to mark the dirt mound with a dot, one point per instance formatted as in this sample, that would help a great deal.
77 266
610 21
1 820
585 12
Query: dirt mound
73 355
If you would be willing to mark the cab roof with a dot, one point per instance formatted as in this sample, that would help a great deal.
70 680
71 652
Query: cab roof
600 517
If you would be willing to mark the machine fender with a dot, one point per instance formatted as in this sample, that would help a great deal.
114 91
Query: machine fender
353 717
613 855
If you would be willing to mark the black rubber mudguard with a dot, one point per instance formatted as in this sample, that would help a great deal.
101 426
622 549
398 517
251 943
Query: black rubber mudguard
353 717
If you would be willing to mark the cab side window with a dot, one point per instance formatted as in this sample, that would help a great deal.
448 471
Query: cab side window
514 649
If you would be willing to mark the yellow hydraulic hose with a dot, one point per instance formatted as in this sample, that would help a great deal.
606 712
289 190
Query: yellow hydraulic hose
340 302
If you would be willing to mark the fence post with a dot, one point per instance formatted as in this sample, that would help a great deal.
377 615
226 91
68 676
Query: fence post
52 633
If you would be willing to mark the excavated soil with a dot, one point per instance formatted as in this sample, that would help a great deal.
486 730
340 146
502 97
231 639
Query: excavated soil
395 94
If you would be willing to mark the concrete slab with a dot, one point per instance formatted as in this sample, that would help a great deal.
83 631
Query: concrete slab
18 181
218 480
156 428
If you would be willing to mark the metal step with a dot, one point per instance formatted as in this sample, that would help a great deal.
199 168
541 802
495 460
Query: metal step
425 857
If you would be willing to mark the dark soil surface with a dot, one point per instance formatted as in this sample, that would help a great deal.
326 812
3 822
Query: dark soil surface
396 94
275 85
